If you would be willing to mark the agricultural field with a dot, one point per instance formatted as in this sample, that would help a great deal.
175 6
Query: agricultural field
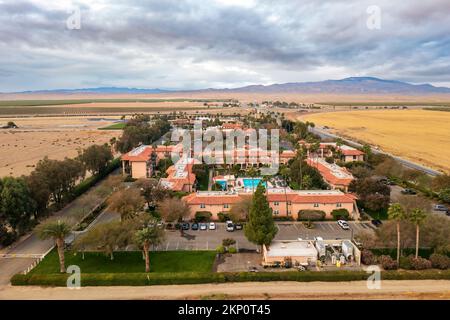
421 136
55 137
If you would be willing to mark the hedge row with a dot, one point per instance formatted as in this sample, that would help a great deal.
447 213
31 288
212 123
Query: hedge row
144 279
87 183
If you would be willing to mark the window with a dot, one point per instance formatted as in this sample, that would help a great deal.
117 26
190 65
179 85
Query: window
202 205
339 205
276 203
289 212
226 205
316 205
289 203
276 212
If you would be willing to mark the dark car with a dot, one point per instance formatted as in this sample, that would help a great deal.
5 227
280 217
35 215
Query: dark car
194 226
185 226
238 226
377 222
447 212
178 226
408 191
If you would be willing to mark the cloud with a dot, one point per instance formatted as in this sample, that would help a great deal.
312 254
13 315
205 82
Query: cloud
190 44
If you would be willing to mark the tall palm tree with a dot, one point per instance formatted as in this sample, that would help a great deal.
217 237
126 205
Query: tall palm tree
147 237
58 231
417 216
396 213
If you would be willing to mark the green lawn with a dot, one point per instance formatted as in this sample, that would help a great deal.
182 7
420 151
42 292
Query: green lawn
115 126
131 262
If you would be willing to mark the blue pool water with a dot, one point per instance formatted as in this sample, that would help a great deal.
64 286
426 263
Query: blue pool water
252 183
222 183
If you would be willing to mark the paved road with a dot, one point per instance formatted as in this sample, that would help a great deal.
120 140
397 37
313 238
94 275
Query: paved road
390 289
324 134
31 244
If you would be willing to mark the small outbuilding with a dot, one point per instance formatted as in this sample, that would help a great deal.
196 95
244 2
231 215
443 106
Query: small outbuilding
298 251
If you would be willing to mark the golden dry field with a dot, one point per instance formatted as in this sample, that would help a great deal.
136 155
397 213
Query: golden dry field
418 135
55 137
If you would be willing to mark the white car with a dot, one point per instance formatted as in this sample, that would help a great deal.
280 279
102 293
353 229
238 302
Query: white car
343 224
318 239
212 226
230 225
203 226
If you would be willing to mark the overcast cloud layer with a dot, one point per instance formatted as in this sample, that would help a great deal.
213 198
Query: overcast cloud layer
175 44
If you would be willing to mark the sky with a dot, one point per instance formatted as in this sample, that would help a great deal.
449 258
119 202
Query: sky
176 44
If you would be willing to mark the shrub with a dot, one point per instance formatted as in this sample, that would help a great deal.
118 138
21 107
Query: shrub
340 214
228 242
232 250
223 216
143 279
440 261
202 216
388 263
405 262
220 249
420 263
367 257
311 215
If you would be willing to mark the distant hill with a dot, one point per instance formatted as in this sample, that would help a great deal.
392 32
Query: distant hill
352 85
100 90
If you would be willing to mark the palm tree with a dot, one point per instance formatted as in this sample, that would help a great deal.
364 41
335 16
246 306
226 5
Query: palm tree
145 238
417 216
58 231
396 212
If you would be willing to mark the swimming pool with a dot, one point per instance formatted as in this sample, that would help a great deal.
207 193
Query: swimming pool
222 183
252 183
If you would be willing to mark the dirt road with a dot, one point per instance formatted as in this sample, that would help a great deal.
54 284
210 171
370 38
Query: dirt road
421 289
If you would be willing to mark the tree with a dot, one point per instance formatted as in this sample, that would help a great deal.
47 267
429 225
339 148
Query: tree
174 210
106 237
60 177
373 194
260 228
58 231
240 210
16 203
152 191
127 203
39 192
417 216
96 158
147 237
396 213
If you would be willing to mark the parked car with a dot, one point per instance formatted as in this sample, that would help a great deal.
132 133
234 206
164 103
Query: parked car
194 226
178 226
343 224
447 212
408 191
203 226
238 226
160 224
252 269
230 226
318 239
440 207
185 226
377 222
212 226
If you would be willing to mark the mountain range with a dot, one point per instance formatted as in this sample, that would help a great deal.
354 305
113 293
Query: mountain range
351 85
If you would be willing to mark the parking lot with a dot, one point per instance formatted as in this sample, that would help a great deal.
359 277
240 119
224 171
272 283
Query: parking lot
211 239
